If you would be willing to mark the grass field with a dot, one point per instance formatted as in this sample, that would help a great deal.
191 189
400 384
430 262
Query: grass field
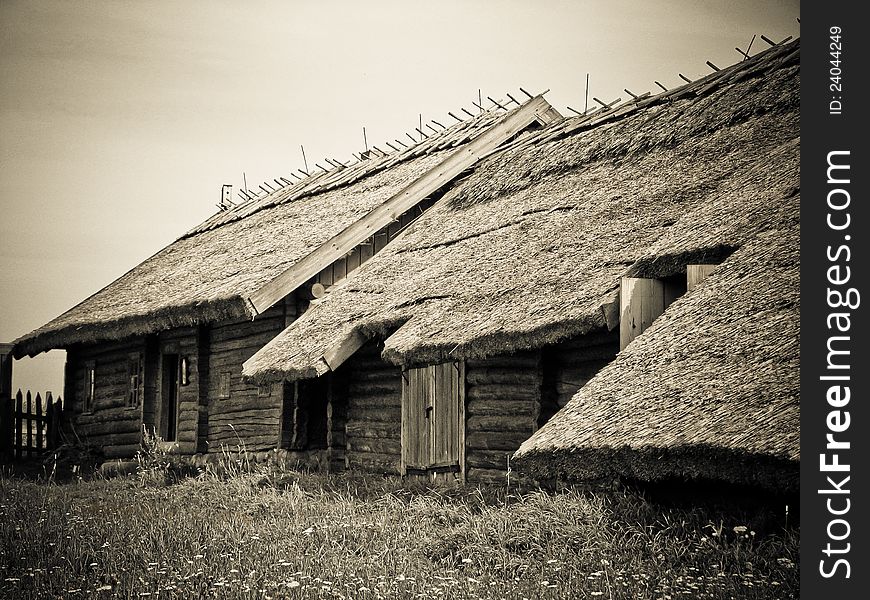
261 535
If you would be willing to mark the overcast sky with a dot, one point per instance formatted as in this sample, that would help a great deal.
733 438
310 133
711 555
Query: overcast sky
120 121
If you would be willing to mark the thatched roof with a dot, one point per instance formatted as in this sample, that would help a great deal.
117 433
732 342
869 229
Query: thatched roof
205 275
530 248
710 390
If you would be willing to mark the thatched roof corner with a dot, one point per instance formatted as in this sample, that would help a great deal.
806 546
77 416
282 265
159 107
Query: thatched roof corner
711 390
93 331
530 248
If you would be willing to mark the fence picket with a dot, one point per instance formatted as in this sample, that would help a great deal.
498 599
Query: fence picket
40 422
30 430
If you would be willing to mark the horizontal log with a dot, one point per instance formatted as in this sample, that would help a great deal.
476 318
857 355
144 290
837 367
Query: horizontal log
490 476
233 331
107 427
502 407
231 360
380 415
375 401
248 441
495 440
527 360
233 405
502 423
391 386
488 459
247 424
520 377
241 345
375 446
503 392
363 429
110 415
392 374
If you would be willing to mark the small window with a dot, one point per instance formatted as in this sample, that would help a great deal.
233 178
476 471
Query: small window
90 386
264 389
224 385
134 379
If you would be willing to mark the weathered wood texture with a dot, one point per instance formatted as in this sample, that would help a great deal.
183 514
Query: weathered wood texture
641 301
695 274
433 424
502 409
567 367
111 424
249 416
373 393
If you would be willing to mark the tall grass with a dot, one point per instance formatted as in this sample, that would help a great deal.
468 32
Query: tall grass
266 535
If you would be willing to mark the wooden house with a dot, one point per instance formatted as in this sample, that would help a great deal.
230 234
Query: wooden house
491 312
161 348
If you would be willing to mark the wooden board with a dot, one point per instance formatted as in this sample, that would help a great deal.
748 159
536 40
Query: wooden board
641 302
536 110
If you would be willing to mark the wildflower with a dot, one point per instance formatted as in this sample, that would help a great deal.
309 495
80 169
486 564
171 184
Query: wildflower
293 584
740 529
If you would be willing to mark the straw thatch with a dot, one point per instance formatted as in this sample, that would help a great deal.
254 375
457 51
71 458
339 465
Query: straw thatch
711 390
530 248
205 275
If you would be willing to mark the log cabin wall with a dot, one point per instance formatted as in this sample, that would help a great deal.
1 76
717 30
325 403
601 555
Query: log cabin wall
373 426
567 367
502 411
111 422
240 413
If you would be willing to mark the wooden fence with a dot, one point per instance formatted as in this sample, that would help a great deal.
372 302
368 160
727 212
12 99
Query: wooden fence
30 426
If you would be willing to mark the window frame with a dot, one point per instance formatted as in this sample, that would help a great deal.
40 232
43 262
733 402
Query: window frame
90 390
135 379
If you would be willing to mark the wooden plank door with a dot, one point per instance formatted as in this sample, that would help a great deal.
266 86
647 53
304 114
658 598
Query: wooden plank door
416 428
433 420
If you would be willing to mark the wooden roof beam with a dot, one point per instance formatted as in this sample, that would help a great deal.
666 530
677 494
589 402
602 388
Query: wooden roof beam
537 110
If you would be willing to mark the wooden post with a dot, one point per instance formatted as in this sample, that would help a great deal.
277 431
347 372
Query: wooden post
640 302
55 416
16 429
7 429
29 445
695 274
40 421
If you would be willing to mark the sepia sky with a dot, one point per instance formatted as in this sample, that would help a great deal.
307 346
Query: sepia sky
120 121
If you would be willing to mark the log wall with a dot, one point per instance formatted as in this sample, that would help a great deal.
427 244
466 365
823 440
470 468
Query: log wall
373 430
110 424
249 415
503 406
569 365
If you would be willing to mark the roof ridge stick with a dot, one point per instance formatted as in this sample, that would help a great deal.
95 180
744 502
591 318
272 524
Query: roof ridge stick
536 110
